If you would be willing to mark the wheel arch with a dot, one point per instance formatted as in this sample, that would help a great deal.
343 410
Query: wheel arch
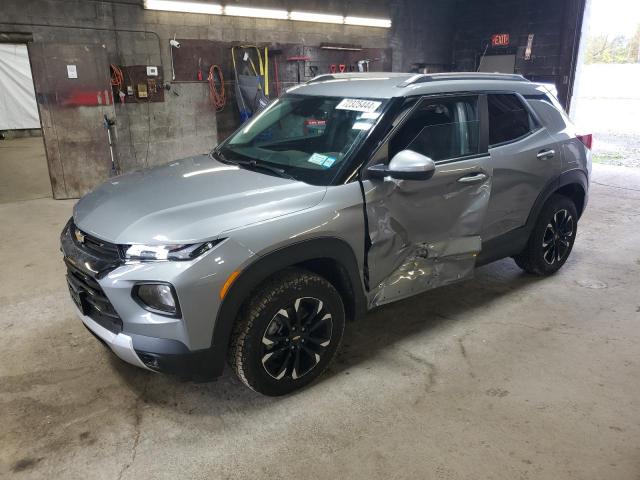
573 184
329 257
576 192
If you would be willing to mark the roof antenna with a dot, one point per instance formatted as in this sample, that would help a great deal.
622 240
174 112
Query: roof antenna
482 57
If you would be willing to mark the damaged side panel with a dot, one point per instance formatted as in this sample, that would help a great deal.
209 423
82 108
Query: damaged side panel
425 234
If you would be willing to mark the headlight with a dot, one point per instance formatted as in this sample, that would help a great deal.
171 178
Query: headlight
168 252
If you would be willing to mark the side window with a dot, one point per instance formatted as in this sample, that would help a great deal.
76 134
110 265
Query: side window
508 118
441 129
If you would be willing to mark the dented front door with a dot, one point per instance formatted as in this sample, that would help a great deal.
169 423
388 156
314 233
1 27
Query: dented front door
425 234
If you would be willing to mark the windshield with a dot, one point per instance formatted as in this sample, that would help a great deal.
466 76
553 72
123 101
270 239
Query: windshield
304 137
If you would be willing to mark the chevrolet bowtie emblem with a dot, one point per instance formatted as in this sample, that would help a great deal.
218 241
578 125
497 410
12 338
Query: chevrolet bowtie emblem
79 236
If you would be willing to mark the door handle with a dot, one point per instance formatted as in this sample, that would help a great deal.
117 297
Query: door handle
545 154
473 178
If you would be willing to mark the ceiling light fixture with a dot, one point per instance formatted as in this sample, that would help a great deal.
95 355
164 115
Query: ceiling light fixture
256 12
187 7
235 11
368 22
316 17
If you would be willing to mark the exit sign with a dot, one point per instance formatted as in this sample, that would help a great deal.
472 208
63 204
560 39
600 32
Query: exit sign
500 40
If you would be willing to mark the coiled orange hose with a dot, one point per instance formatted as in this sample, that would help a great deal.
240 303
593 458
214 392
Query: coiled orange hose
217 97
117 78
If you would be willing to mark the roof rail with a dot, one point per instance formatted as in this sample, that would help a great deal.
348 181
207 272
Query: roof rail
321 78
434 77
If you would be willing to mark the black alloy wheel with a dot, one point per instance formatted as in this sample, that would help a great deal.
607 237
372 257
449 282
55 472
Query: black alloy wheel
287 332
296 338
552 237
558 236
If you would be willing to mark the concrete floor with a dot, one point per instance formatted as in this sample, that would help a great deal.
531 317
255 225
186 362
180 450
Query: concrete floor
502 377
23 170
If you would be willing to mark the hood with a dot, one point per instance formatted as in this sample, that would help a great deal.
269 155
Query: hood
187 201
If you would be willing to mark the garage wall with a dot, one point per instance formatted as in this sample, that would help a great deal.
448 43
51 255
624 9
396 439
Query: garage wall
427 35
185 123
554 23
422 35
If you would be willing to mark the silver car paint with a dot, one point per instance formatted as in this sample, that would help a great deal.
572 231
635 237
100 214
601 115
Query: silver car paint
518 178
198 282
260 213
187 201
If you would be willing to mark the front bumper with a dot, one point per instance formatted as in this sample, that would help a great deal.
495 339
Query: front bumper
179 345
121 344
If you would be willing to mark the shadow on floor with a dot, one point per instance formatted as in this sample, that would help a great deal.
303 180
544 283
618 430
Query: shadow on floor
380 329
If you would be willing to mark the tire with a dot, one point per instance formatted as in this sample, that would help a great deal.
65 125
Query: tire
287 333
552 238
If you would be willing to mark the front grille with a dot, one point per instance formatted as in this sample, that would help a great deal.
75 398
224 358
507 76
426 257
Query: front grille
91 299
95 246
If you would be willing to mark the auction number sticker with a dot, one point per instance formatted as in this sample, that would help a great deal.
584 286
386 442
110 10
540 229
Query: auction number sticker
358 105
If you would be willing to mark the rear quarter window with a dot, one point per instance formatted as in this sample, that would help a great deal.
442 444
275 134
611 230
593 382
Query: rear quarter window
508 118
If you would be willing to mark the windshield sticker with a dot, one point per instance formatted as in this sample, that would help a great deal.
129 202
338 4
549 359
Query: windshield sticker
358 105
322 160
328 162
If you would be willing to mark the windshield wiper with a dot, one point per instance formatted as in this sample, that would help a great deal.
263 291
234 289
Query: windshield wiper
250 164
254 165
217 155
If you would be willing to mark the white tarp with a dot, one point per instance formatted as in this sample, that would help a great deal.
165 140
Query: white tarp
18 107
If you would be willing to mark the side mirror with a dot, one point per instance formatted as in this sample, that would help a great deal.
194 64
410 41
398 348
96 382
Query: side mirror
405 165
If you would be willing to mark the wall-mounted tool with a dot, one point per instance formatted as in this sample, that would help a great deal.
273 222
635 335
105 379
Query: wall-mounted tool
173 43
275 53
363 65
249 87
199 74
299 59
115 168
266 71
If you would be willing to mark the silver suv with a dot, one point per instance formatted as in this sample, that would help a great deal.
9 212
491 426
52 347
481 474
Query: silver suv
349 192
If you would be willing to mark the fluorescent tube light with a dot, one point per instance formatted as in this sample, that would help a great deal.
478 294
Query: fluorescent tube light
316 17
368 22
256 12
188 7
232 10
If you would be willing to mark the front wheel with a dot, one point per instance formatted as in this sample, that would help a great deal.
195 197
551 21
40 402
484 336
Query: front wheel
287 332
552 238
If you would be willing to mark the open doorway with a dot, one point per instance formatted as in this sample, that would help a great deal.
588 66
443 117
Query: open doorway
23 166
606 98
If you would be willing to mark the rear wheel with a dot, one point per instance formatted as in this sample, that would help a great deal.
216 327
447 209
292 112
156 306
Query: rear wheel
552 238
287 332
